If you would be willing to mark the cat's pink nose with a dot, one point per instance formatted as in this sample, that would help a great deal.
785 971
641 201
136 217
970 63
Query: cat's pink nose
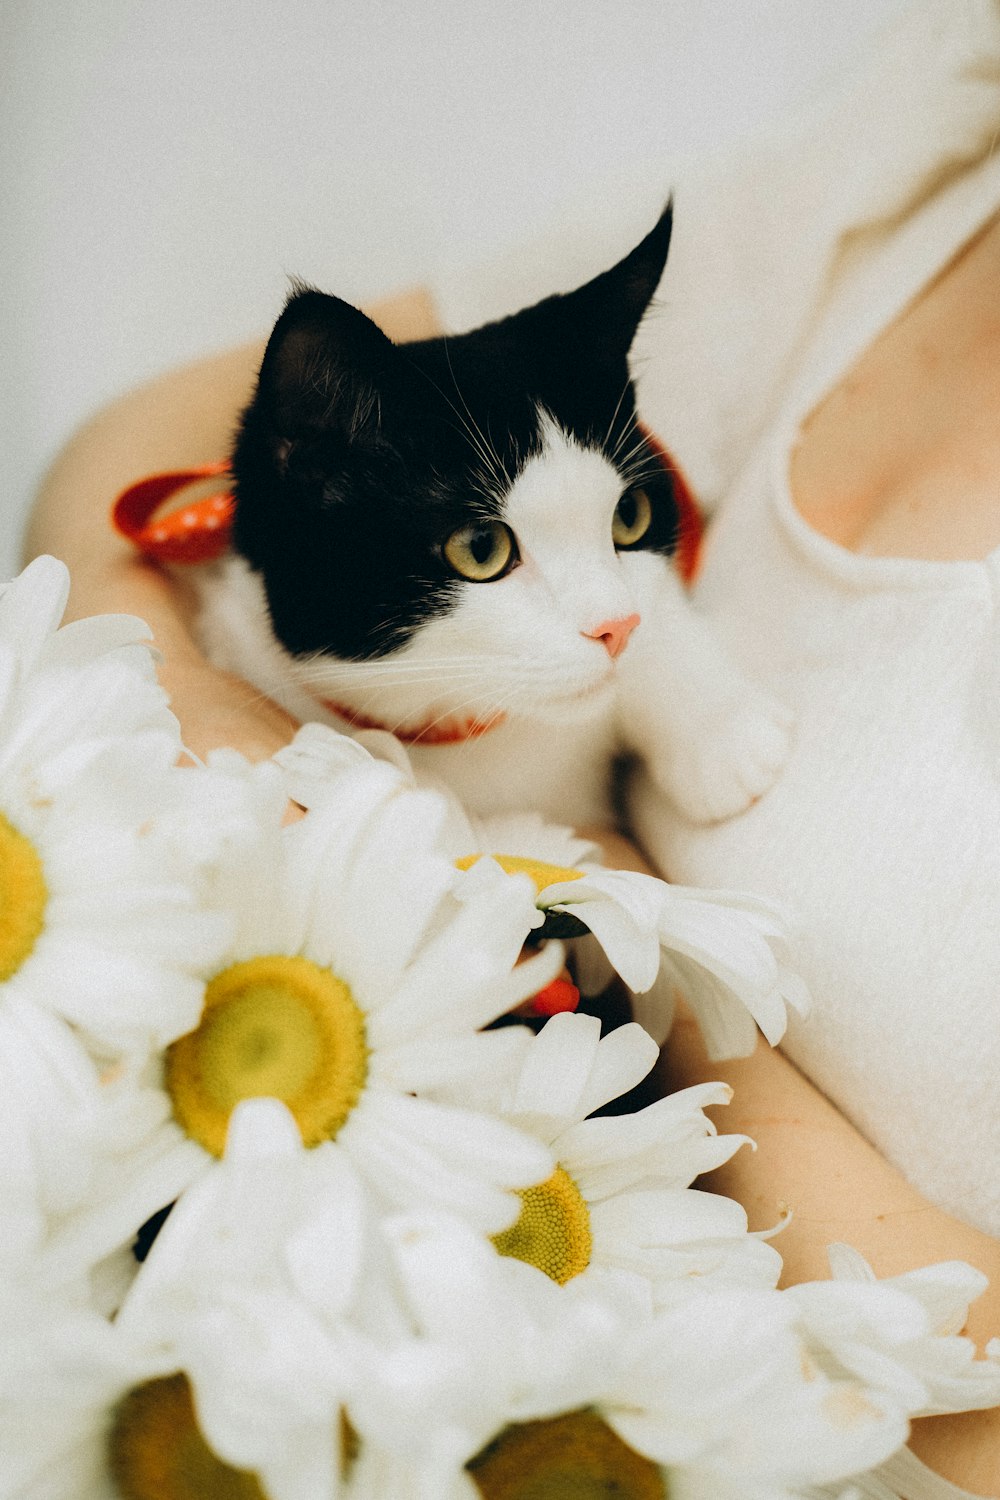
613 634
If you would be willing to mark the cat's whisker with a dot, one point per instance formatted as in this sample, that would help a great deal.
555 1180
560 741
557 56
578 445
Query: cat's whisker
440 686
327 667
485 441
468 707
395 673
642 474
630 427
485 451
516 680
647 464
614 415
321 662
639 448
464 707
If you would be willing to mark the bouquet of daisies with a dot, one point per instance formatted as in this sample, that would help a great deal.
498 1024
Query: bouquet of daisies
309 1186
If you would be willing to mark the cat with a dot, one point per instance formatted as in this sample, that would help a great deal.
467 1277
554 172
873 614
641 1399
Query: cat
468 540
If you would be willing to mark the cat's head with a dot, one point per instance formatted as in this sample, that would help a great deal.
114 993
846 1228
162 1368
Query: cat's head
466 523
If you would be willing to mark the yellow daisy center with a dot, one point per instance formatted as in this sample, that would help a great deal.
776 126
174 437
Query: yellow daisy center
156 1451
552 1231
23 896
275 1026
573 1457
516 864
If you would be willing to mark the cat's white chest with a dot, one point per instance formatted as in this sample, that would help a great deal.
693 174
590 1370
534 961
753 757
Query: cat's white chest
560 771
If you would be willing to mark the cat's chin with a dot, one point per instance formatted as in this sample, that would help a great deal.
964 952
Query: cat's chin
577 707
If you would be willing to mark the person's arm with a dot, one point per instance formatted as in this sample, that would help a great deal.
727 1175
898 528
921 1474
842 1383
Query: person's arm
811 1160
180 420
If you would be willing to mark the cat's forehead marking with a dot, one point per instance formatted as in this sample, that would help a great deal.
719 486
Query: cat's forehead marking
565 493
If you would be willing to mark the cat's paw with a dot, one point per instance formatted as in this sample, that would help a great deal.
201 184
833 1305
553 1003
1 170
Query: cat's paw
732 759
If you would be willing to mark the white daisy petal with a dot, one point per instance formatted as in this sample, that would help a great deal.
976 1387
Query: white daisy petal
592 969
727 1025
555 1071
624 1059
150 1181
80 641
461 961
716 937
529 836
661 1126
900 1330
118 998
456 1145
316 758
472 1070
31 607
643 1221
395 884
73 706
633 950
654 1009
658 1165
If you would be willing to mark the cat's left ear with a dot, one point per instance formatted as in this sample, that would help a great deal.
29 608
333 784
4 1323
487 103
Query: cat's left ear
609 309
325 370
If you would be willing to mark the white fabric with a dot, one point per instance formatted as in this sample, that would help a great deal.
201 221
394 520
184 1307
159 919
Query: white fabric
883 834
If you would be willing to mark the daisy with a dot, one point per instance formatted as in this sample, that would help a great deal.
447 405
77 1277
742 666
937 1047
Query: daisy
620 1197
916 1318
64 1368
100 928
536 1389
103 928
249 1290
89 1412
71 1138
225 1370
359 973
31 608
97 925
216 1378
726 951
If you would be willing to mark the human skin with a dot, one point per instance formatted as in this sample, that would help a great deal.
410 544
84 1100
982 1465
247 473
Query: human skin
809 1157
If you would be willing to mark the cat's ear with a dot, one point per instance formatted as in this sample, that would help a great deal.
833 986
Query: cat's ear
324 371
608 310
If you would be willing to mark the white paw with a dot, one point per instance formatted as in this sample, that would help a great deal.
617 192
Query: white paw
728 760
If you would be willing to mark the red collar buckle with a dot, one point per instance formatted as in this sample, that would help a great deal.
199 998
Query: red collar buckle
194 533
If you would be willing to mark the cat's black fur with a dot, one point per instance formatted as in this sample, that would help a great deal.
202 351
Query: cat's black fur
356 458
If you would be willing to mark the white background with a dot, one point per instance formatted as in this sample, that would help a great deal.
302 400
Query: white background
165 165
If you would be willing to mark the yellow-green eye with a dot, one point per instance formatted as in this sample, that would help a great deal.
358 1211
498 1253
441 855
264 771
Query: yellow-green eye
481 551
632 518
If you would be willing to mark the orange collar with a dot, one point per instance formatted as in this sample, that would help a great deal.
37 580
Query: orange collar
441 731
197 532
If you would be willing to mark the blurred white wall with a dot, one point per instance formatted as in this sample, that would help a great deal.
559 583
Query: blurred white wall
165 165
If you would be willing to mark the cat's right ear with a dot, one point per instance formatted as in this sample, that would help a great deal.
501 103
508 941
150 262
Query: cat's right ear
324 371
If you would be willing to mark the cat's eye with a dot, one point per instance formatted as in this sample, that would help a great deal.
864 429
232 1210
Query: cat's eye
632 518
481 551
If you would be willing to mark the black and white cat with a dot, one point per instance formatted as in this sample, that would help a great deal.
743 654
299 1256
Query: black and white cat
467 540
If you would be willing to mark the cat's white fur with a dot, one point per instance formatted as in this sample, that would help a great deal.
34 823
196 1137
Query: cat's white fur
520 646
